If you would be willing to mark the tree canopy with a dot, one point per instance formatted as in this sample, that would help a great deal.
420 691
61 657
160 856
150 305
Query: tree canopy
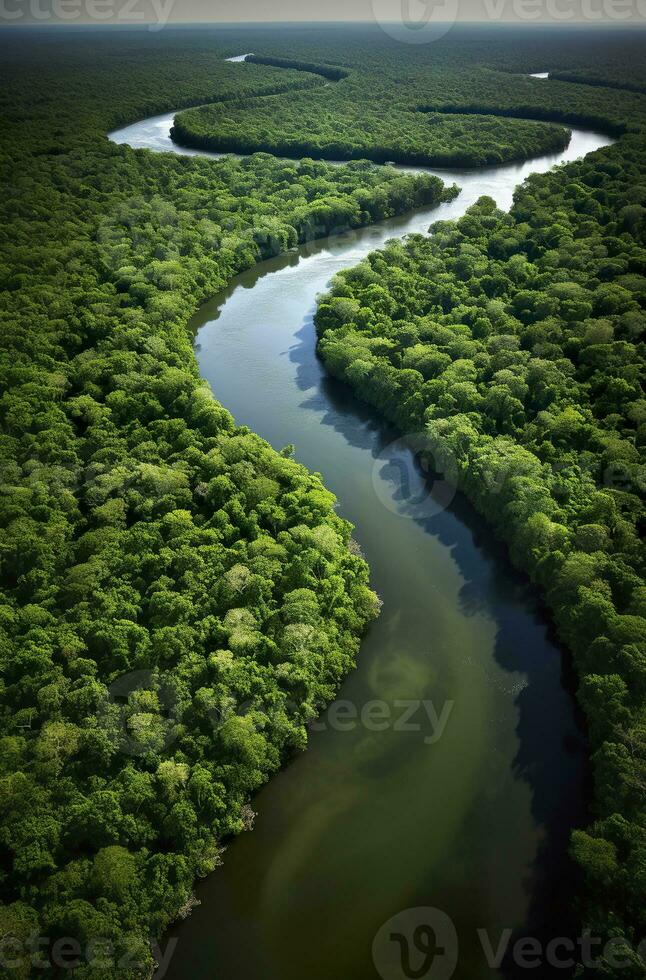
177 598
515 342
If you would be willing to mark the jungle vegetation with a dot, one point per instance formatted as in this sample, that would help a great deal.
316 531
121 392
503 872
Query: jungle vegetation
161 566
385 104
345 128
515 343
178 599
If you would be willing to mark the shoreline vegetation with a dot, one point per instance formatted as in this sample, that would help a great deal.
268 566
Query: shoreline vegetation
486 115
214 127
161 565
205 128
514 343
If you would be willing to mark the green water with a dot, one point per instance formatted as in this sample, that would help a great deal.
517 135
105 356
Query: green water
471 817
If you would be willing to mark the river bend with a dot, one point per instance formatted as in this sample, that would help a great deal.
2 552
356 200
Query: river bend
369 822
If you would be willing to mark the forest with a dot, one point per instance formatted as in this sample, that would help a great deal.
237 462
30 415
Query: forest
515 342
370 111
160 564
344 129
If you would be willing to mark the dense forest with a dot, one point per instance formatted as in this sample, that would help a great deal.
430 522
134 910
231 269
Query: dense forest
349 128
386 105
160 565
515 343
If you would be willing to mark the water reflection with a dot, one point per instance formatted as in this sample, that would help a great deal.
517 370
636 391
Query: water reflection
369 822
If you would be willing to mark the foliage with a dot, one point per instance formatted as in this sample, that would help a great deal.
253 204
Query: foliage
516 342
178 599
476 106
344 129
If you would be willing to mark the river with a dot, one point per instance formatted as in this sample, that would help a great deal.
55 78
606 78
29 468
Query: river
375 819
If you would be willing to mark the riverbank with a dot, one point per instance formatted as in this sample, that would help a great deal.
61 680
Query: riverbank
457 626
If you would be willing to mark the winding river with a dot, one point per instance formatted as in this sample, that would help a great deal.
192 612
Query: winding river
375 818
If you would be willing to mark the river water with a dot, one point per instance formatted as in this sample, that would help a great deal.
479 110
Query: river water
468 814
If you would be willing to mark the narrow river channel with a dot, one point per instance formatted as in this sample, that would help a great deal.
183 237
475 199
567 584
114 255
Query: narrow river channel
368 822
